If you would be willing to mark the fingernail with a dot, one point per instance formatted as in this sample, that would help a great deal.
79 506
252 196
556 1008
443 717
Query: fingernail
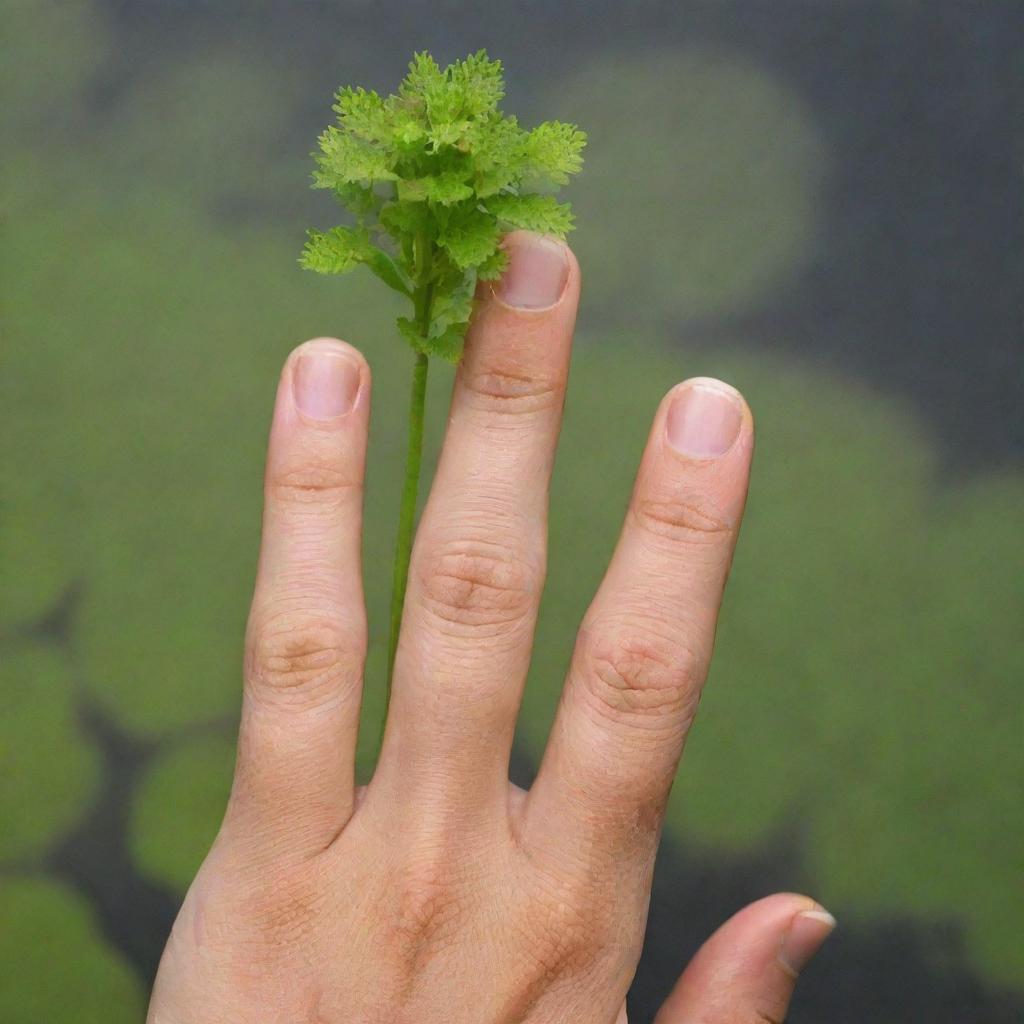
325 383
704 418
807 931
537 271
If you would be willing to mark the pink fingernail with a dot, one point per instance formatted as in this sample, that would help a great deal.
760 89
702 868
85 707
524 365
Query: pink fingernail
537 271
325 383
704 418
807 931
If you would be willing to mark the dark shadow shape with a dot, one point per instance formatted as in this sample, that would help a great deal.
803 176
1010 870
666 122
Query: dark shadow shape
54 625
893 968
134 912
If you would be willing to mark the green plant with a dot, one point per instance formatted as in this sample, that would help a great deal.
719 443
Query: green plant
432 176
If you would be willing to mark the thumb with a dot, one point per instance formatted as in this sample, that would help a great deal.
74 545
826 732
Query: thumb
746 972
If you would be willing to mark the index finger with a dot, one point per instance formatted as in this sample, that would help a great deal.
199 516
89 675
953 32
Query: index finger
643 650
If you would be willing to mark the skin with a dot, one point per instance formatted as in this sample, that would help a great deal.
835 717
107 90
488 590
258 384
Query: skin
440 892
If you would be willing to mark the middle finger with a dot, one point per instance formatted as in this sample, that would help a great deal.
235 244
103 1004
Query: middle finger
478 562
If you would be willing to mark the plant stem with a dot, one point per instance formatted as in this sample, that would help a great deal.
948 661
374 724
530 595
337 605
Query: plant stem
407 512
423 299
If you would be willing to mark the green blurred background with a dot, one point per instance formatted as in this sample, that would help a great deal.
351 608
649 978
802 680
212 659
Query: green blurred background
820 202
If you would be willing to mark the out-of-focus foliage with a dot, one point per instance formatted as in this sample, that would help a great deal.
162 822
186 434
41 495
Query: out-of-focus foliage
702 187
56 966
866 675
195 778
47 770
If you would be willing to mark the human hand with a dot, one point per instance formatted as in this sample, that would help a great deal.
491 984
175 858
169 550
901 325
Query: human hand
439 892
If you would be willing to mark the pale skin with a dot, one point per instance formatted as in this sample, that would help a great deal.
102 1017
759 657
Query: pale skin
440 892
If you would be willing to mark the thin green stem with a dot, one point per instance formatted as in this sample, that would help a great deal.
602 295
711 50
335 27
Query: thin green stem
423 300
407 512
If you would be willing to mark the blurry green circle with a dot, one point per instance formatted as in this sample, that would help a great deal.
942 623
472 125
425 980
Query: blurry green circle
937 800
56 967
700 188
179 807
48 771
162 625
37 550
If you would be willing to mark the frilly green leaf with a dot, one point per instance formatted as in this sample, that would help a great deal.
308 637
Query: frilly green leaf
336 251
493 267
343 249
470 238
435 173
445 188
533 212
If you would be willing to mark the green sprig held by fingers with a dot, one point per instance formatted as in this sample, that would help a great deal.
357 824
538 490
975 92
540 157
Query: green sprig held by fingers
432 177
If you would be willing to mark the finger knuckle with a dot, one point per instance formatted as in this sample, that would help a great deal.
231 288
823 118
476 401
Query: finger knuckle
304 660
636 677
684 519
479 586
314 482
511 391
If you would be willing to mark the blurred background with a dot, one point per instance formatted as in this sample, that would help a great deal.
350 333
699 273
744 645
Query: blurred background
820 202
